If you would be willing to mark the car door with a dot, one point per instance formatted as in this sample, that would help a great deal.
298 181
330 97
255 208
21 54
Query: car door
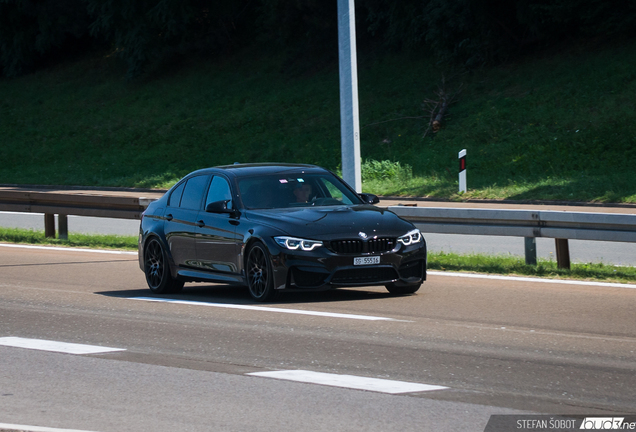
180 220
218 245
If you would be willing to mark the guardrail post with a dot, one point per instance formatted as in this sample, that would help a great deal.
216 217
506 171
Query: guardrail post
62 226
562 253
531 250
49 225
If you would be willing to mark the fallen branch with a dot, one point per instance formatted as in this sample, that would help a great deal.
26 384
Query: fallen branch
438 108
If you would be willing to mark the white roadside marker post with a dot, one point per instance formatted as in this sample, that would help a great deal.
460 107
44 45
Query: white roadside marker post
462 171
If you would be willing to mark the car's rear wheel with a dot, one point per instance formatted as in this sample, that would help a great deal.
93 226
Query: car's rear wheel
157 270
394 288
260 278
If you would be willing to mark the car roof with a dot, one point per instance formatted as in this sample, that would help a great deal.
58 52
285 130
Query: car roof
252 169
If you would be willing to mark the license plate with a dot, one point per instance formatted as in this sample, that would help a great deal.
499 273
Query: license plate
366 260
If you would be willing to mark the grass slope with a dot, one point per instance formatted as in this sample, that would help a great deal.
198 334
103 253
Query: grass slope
554 126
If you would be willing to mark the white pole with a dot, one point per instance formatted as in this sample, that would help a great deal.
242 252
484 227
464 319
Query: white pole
462 171
349 118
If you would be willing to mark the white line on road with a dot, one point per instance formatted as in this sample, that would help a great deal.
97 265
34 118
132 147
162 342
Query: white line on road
267 309
68 249
62 347
529 279
24 428
349 381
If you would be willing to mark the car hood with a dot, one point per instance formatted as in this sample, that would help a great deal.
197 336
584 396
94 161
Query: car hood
329 222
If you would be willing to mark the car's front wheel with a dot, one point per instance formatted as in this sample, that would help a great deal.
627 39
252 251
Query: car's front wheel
157 270
260 279
394 288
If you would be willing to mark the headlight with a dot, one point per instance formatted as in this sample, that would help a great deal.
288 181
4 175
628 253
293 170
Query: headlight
411 237
293 243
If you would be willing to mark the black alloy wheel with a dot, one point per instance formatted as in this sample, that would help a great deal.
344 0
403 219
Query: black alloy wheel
157 270
260 278
403 288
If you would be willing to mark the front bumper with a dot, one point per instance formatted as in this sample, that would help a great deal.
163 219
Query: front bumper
324 269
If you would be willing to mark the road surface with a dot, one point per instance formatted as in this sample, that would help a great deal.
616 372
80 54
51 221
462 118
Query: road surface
487 346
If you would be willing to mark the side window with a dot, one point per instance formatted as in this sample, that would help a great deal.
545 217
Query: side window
335 192
193 192
175 197
219 191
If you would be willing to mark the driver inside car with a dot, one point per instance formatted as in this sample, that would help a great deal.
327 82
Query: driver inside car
302 192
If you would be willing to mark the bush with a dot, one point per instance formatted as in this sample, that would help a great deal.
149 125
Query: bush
386 171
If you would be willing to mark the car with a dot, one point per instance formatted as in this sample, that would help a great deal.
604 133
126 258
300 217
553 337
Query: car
274 227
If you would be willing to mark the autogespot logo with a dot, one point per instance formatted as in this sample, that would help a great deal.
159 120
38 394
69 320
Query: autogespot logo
606 423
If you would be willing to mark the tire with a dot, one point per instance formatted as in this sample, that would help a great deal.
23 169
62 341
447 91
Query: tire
403 289
157 269
260 278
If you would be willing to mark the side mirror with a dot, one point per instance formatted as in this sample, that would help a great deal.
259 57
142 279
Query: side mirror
369 198
219 207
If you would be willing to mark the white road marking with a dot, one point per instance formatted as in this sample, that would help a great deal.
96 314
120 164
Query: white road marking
24 428
531 279
349 381
54 346
68 249
267 309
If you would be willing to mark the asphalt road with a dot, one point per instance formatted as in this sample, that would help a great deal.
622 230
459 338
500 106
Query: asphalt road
580 251
498 346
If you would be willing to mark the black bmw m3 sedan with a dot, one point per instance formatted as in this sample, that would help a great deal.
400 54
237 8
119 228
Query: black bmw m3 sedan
274 227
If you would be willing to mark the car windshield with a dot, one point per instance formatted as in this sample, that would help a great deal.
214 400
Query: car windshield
286 190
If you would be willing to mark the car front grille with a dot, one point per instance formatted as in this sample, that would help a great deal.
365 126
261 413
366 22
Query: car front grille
375 245
381 244
366 275
347 246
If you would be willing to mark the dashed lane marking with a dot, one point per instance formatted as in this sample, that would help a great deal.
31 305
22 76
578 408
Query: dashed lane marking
349 381
54 346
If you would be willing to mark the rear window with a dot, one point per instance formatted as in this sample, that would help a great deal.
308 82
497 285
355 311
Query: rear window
193 192
175 196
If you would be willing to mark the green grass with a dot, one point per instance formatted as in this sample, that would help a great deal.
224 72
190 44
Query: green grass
514 265
554 126
497 264
18 235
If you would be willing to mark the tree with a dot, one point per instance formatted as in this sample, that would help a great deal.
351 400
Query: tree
142 31
31 30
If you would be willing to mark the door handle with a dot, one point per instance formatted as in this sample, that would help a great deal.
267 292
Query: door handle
200 224
169 217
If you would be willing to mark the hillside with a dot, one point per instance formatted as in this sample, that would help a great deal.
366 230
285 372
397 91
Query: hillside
557 125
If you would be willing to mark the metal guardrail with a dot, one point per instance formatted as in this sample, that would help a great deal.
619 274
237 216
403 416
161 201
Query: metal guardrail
73 204
63 204
524 223
529 224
